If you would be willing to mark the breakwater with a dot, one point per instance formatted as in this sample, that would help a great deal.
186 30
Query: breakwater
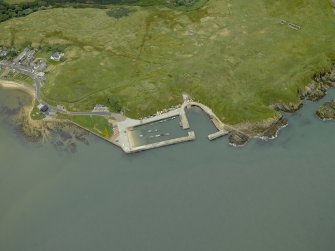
189 137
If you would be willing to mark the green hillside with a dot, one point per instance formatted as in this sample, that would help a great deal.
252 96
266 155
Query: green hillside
238 57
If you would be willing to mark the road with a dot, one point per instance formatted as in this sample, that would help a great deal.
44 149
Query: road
39 82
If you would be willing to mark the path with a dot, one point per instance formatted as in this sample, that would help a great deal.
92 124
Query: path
38 83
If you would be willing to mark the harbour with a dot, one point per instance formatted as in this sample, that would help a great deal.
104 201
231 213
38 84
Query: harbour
140 135
190 197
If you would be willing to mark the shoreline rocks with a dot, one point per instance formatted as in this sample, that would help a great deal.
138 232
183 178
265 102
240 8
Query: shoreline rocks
273 130
317 89
63 135
265 130
58 130
238 139
327 111
290 107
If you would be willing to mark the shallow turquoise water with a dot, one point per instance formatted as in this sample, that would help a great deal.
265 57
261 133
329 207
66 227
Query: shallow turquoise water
276 195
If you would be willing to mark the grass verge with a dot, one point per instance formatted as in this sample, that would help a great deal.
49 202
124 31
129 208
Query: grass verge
36 114
95 124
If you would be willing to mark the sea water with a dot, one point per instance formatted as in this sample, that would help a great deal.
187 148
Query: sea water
200 195
158 131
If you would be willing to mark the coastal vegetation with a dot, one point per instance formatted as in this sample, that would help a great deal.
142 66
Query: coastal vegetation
238 57
20 78
96 124
36 114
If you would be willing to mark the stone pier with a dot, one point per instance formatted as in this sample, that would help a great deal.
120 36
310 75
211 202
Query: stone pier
183 119
189 137
218 134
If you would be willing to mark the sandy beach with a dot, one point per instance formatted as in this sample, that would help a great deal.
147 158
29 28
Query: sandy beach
15 85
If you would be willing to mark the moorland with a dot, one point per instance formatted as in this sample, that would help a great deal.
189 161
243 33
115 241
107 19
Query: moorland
238 57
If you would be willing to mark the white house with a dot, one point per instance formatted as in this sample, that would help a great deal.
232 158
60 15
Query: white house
57 56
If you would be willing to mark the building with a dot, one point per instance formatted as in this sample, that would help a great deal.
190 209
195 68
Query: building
43 108
57 56
40 74
21 56
39 65
3 53
30 55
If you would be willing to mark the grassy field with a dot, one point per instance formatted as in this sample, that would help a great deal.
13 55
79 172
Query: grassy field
95 124
18 1
20 78
238 57
36 114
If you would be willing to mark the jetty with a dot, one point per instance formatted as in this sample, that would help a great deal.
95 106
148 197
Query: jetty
189 137
217 135
126 141
122 125
183 119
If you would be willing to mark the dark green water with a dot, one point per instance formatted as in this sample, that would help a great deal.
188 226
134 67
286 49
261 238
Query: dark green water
277 195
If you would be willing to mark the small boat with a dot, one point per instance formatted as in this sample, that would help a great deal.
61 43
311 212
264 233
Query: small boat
166 134
156 130
161 121
141 135
149 130
157 135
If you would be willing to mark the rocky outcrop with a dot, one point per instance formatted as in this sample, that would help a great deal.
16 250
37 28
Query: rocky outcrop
314 91
290 107
265 130
32 130
272 131
237 138
327 111
63 135
317 89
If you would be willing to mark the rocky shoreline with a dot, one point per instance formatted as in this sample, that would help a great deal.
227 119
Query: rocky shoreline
270 128
265 130
63 134
319 86
327 111
15 112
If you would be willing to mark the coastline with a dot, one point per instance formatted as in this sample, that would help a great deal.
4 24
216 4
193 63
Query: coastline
239 134
15 85
30 126
269 129
33 130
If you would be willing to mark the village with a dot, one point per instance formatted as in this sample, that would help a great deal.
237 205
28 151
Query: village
25 63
